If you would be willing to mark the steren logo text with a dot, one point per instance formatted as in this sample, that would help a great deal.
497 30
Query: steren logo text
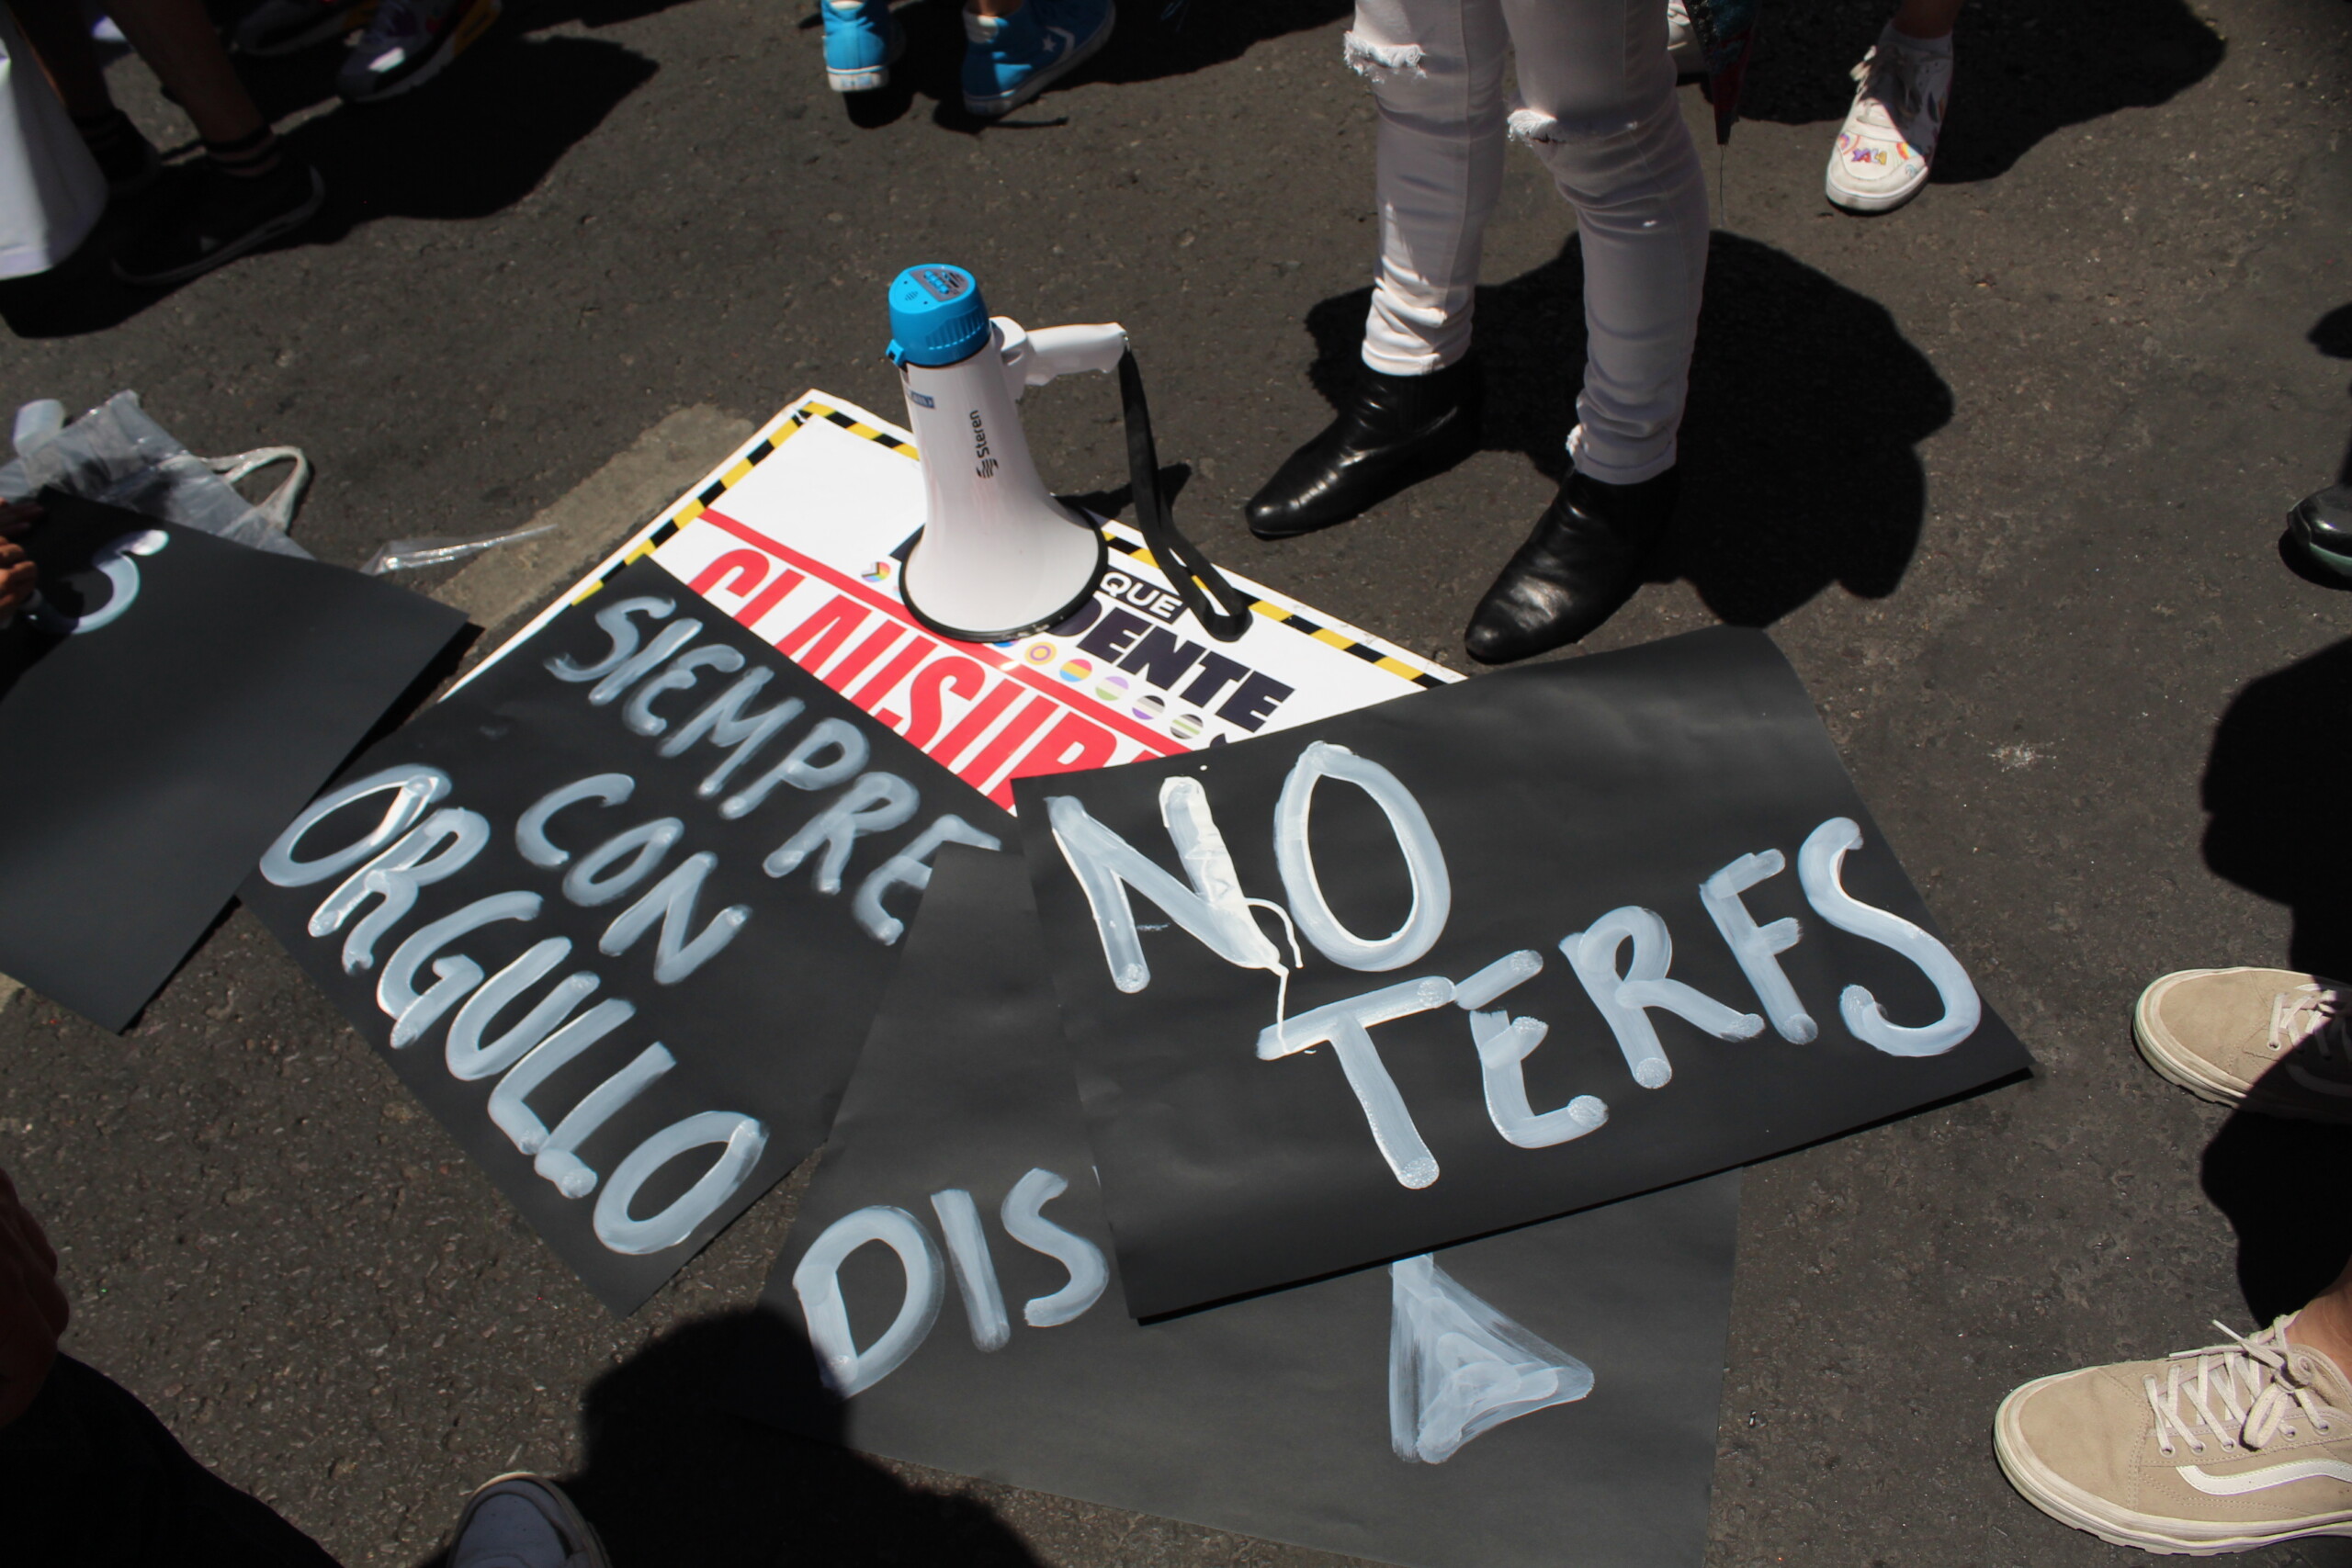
982 464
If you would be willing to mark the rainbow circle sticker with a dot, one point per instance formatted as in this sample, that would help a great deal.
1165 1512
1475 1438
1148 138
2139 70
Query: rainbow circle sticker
1039 653
1077 671
1149 708
1185 726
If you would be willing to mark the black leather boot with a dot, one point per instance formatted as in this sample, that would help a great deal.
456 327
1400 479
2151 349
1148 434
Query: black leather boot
2322 523
1394 430
1578 567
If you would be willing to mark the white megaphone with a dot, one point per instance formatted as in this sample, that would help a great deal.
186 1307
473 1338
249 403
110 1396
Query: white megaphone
998 556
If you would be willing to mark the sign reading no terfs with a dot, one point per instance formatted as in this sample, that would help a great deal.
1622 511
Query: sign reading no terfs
1543 1396
620 911
1479 956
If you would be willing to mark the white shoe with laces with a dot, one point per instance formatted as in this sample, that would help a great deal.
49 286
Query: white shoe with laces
2231 1447
1889 138
2277 1041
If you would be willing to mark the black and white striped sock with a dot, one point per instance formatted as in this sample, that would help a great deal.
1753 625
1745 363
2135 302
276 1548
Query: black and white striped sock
248 157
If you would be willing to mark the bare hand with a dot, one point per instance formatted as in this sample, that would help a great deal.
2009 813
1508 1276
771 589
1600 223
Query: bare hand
17 576
33 1309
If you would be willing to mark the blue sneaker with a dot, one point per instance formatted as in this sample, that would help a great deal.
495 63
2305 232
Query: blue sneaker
1012 59
861 41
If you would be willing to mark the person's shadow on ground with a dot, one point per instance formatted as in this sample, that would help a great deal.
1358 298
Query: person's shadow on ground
1788 485
419 156
2333 337
676 1477
2022 71
532 98
2276 828
1152 39
2279 1181
287 85
2276 807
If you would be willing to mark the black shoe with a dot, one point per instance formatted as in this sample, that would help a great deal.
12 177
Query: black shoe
131 172
2322 523
220 219
1394 430
409 42
1578 567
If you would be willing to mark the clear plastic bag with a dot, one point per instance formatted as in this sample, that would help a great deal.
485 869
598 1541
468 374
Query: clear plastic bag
117 455
440 550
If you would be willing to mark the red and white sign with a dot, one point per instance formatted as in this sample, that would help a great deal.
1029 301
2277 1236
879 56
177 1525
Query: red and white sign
802 539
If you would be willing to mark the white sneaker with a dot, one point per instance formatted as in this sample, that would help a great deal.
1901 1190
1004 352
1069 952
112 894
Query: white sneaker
1682 41
2276 1040
1889 137
2237 1446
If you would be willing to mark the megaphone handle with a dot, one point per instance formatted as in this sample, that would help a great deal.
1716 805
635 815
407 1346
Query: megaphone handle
1190 572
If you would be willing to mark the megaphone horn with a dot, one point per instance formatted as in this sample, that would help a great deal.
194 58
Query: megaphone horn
998 557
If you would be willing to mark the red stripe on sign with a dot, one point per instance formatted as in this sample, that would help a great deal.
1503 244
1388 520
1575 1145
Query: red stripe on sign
918 649
1026 722
853 663
961 675
770 596
744 570
821 636
984 713
1076 742
1160 745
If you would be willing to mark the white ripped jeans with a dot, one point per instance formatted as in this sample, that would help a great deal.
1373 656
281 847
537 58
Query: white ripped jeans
1595 101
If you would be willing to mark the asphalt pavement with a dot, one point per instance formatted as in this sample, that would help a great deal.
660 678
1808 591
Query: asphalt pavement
2003 472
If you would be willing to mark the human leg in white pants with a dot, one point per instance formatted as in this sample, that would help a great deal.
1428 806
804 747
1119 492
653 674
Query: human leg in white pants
1436 67
1597 105
1436 70
1595 102
1604 120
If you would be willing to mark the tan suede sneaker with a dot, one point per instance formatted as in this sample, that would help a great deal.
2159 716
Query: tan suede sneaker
2219 1450
2273 1037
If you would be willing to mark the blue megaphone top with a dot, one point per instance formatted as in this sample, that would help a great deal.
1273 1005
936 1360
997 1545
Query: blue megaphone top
936 316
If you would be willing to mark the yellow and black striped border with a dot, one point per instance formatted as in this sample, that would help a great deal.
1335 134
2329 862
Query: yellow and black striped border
736 473
766 447
1133 550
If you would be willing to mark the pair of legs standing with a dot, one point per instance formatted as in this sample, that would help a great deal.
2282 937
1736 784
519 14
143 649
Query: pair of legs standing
1595 101
2248 1442
250 191
176 39
1014 49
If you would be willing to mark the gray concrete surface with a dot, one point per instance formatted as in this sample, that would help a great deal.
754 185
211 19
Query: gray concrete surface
507 583
2003 472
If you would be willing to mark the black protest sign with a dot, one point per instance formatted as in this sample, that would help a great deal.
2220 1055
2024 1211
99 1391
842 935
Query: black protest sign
170 701
1570 932
1543 1396
618 910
